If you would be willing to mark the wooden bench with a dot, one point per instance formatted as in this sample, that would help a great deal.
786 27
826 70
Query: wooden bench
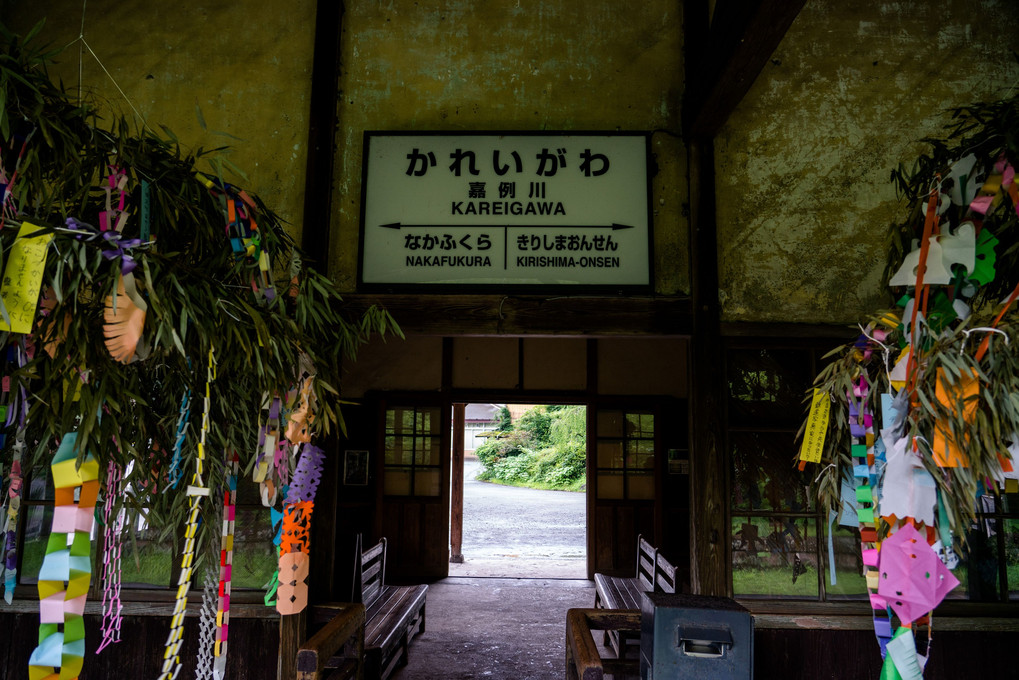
393 614
336 651
654 574
583 660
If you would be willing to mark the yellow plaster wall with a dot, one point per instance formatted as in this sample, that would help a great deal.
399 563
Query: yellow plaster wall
513 65
803 165
245 63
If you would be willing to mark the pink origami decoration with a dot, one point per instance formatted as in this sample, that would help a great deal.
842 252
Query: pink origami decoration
913 579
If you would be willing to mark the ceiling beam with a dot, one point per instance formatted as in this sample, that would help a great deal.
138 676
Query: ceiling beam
728 58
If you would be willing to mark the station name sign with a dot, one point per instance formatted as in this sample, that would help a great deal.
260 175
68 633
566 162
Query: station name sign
505 210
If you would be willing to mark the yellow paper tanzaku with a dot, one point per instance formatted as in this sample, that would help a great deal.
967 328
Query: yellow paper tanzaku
817 427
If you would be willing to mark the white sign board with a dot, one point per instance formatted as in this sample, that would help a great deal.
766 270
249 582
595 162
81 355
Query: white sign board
529 210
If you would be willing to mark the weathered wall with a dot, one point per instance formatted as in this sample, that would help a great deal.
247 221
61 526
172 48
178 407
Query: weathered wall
804 198
246 64
506 65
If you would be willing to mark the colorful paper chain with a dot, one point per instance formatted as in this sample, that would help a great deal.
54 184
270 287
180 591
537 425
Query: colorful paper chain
195 491
66 569
175 473
243 234
226 558
112 534
13 408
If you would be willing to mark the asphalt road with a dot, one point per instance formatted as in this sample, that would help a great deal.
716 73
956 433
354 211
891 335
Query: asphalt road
514 532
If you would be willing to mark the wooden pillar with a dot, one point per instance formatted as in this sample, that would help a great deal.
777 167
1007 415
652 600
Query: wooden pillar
456 515
709 516
293 629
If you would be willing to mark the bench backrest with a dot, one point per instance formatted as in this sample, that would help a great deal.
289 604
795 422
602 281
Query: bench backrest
646 558
369 572
665 575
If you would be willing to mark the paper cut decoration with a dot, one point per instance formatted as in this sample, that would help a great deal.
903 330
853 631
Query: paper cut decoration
302 416
113 529
195 491
22 279
817 426
66 569
953 393
207 627
124 323
964 180
986 259
307 476
913 579
908 490
292 593
935 272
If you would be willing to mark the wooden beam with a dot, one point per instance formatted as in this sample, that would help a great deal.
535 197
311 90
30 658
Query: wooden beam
322 121
743 36
459 315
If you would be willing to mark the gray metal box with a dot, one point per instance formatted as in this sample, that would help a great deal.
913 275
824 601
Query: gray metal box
695 636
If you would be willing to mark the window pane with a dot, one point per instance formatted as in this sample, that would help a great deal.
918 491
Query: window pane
610 423
426 483
38 521
978 573
427 451
254 559
640 486
1012 556
640 425
428 421
849 579
396 482
763 476
640 461
610 454
766 386
399 450
610 485
774 556
40 488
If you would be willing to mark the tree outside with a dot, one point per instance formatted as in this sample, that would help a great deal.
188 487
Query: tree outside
546 448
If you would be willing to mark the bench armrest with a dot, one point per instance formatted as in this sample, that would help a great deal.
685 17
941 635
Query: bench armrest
582 659
346 626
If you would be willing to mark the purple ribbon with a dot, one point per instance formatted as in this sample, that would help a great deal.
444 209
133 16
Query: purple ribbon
118 245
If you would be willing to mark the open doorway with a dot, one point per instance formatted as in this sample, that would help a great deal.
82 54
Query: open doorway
522 511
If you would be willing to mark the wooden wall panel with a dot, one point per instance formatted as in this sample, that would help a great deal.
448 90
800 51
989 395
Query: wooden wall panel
252 652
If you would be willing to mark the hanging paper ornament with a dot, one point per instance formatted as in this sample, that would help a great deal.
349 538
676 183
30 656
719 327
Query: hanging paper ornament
66 569
195 491
124 323
113 529
207 627
225 568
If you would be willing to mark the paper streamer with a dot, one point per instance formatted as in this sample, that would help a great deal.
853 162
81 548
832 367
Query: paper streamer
66 569
112 533
226 556
195 491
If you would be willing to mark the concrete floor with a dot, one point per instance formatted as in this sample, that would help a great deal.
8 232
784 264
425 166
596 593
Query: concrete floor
495 629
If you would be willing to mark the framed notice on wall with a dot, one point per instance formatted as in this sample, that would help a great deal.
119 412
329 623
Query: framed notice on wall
528 211
355 467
